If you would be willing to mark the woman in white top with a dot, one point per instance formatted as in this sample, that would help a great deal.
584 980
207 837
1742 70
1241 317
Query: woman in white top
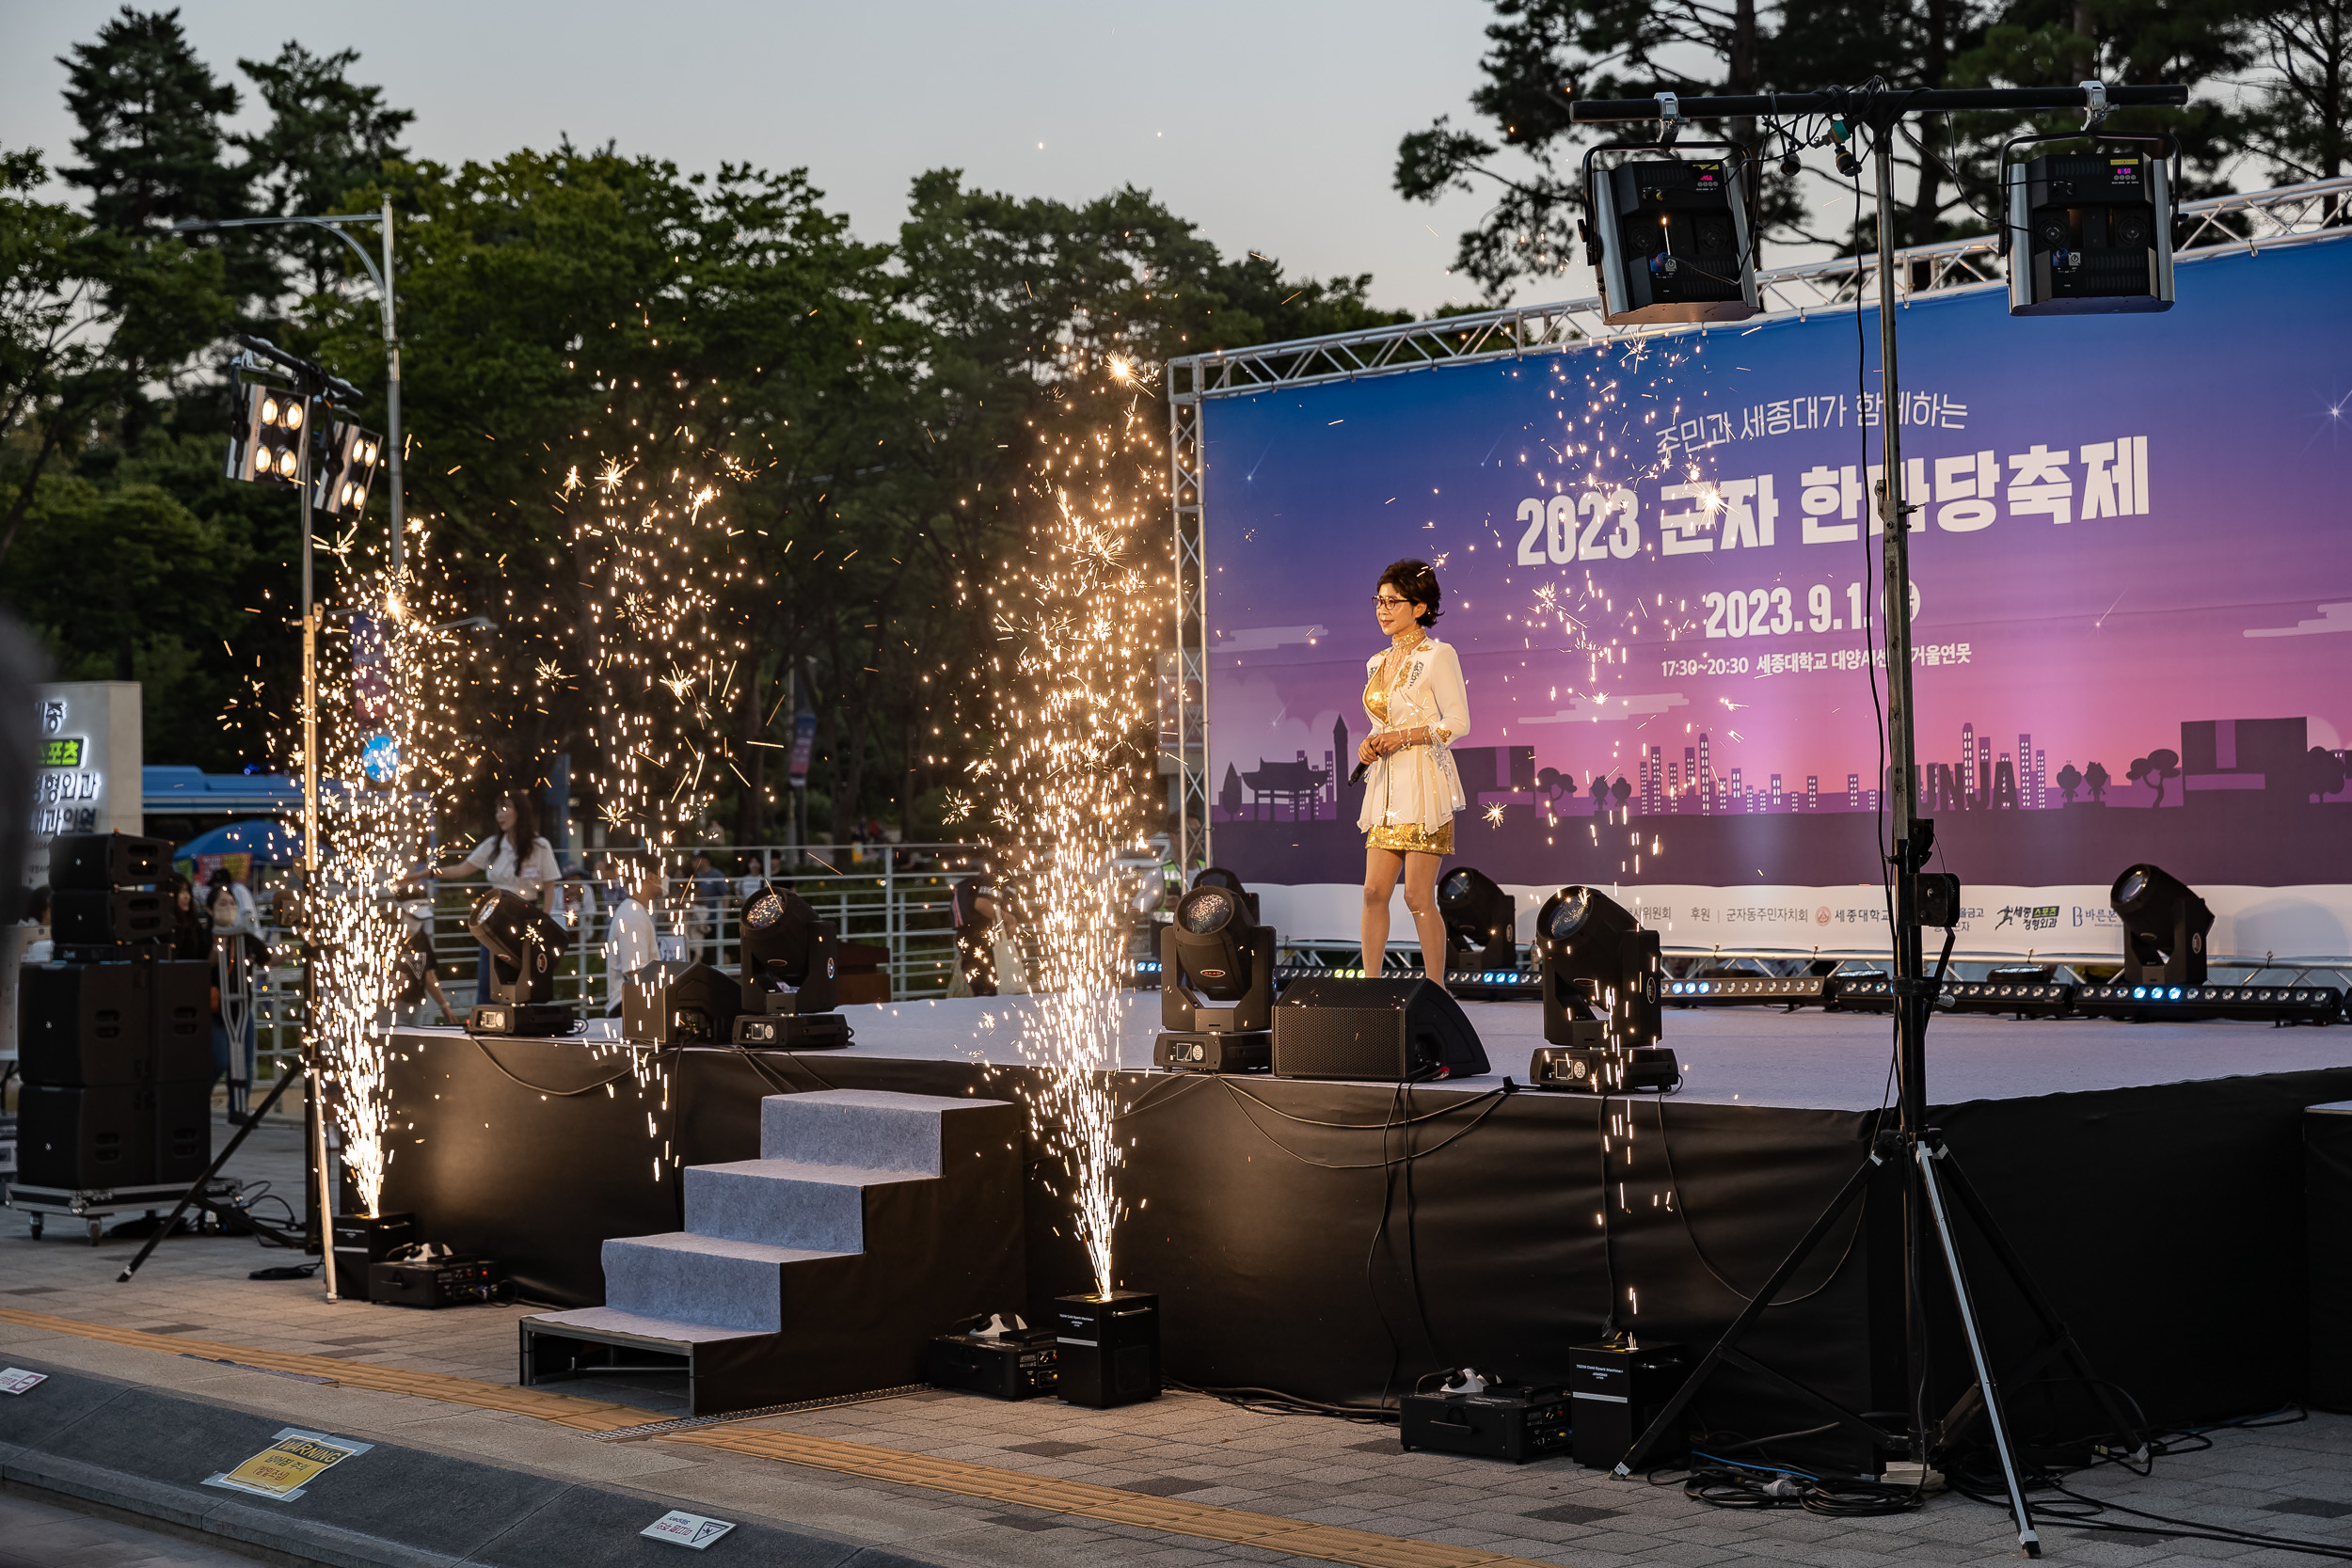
517 860
514 858
1414 695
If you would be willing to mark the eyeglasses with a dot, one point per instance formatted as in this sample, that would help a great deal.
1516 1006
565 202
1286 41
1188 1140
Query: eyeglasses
1389 601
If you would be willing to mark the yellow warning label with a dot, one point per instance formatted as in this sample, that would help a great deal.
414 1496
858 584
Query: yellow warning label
289 1464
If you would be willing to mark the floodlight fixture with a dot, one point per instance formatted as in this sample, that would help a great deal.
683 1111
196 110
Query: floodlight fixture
353 457
268 449
2164 926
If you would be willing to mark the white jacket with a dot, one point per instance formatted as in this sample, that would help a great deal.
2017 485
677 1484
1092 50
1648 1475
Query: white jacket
1418 786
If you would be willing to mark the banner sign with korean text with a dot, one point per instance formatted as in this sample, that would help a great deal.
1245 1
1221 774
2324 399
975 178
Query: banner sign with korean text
2132 616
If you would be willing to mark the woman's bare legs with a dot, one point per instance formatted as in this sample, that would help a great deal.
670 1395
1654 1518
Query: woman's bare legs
1420 898
1381 869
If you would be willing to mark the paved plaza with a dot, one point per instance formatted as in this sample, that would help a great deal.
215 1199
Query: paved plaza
1189 1451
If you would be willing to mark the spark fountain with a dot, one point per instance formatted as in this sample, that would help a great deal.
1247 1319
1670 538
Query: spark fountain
387 684
1079 614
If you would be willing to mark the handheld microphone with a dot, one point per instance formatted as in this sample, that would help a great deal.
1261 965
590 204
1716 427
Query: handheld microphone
1358 776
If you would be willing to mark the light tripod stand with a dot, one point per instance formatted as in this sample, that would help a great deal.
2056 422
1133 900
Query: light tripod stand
1931 1178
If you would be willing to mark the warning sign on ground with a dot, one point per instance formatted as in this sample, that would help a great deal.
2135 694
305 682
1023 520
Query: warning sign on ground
289 1464
687 1530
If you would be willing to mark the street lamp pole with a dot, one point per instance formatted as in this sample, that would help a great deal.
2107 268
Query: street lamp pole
382 279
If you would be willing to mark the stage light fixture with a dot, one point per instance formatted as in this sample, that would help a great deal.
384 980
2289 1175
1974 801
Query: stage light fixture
524 943
790 963
355 455
1217 876
678 1003
2148 1004
269 448
2089 231
1600 979
1729 987
2164 926
2029 991
1481 928
1216 984
1673 239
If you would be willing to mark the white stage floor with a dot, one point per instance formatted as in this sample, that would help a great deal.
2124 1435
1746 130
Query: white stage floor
1804 1060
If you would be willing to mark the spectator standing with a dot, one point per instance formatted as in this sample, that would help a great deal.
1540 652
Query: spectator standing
515 860
634 940
238 949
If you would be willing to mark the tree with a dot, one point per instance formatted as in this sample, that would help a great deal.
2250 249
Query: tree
1543 54
2131 43
151 141
328 135
2305 129
2153 770
88 319
2069 781
2096 780
2324 772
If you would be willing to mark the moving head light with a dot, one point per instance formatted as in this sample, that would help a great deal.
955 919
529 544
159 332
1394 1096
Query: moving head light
1481 924
1600 979
524 943
2165 924
1217 985
791 961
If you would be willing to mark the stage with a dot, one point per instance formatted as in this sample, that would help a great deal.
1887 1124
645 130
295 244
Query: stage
1338 1241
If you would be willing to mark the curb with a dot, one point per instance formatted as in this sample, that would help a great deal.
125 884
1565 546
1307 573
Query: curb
140 1455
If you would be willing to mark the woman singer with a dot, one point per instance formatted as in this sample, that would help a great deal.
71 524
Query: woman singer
1414 695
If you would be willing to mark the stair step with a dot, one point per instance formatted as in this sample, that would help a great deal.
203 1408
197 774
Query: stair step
785 1202
872 1129
712 1280
606 1320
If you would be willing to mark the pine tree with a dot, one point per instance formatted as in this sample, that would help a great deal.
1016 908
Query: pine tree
328 136
151 115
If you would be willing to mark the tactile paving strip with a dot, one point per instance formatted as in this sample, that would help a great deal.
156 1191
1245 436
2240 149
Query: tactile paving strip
1109 1504
1082 1500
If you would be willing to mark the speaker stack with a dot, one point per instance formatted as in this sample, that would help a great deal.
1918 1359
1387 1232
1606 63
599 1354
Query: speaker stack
115 1041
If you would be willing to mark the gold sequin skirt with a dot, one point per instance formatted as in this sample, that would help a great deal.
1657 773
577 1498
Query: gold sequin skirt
1410 838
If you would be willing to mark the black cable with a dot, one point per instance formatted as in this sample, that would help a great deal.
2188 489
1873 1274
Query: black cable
1274 1402
535 1088
1371 1289
1674 1183
1491 1098
1608 1232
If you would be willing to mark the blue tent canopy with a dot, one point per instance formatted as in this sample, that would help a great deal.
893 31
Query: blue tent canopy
268 843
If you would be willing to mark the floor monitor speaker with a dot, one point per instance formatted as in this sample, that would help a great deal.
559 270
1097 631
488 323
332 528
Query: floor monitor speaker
1386 1031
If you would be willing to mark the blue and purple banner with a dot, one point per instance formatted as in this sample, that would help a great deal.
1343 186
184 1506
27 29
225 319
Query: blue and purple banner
2133 553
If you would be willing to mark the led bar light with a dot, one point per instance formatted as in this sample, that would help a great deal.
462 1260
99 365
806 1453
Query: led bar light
2255 1003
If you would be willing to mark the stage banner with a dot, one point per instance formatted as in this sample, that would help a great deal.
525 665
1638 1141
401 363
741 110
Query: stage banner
2131 623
